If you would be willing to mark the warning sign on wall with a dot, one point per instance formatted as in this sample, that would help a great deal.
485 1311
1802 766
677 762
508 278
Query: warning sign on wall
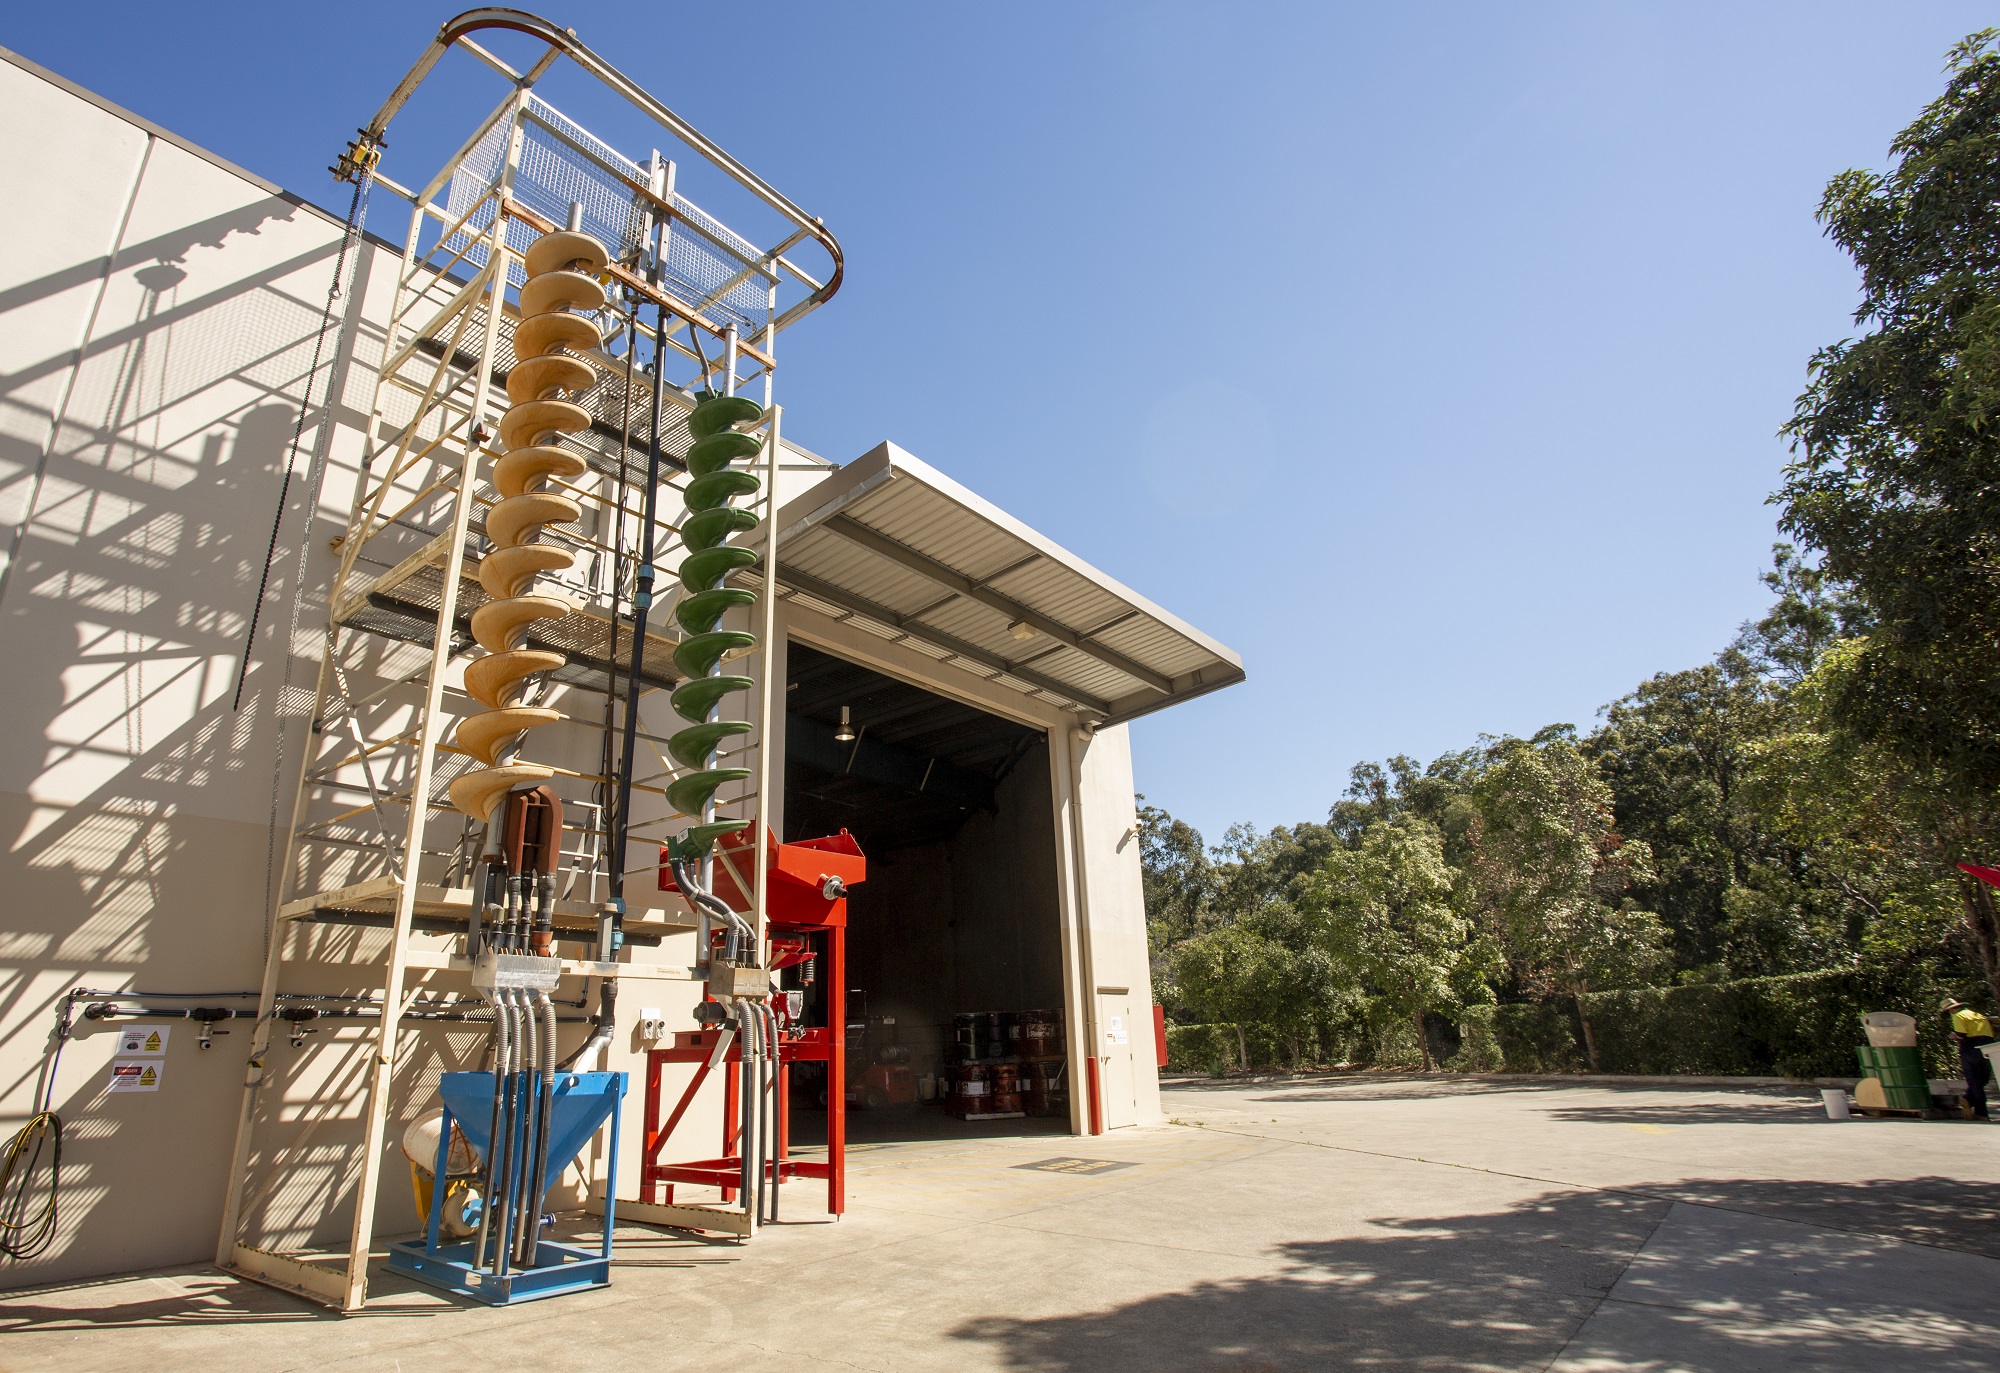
144 1039
136 1075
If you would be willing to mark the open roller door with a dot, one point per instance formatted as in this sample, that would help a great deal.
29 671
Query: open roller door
954 949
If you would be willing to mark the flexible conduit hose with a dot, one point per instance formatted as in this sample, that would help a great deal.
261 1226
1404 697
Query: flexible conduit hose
771 1102
606 1018
502 1143
503 1049
530 1106
544 1111
746 1108
763 1106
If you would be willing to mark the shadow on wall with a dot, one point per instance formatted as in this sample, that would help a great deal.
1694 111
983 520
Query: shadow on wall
1502 1289
139 475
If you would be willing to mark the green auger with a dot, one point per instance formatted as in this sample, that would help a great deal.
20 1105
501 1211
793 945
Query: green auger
709 560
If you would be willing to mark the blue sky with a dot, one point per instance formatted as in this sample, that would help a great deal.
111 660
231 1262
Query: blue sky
1429 356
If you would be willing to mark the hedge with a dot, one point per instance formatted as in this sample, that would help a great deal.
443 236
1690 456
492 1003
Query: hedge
1201 1048
1214 1048
1803 1025
1528 1038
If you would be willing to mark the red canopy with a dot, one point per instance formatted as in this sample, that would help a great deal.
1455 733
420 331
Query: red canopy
1990 876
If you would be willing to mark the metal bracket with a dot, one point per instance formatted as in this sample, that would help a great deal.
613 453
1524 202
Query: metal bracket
360 157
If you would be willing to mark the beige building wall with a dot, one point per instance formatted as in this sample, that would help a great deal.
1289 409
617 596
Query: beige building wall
159 311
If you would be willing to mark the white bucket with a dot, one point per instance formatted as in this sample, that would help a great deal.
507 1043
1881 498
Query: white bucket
1890 1030
1836 1104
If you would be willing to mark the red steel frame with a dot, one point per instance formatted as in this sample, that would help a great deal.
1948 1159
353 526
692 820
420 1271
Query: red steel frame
799 912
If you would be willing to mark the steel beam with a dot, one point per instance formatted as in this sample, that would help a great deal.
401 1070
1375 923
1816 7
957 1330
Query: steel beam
851 529
860 605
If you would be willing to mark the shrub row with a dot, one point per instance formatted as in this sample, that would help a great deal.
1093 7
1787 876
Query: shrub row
1802 1025
1201 1048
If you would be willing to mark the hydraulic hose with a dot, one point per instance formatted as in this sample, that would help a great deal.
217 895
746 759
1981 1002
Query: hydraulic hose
606 1021
767 1138
690 884
544 1115
772 1104
746 1109
517 1065
499 1144
531 1135
758 1019
497 1047
25 1236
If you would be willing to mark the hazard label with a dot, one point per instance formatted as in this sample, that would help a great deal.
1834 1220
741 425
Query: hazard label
144 1039
136 1075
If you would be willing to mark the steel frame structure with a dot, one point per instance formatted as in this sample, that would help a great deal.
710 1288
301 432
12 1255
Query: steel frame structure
368 838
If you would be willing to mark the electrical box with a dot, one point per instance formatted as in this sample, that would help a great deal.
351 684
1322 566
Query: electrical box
724 980
493 971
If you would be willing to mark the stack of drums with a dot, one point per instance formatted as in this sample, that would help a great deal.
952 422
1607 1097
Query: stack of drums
982 1036
992 1035
1006 1091
1041 1035
1006 1063
965 1038
971 1091
1041 1089
1042 1057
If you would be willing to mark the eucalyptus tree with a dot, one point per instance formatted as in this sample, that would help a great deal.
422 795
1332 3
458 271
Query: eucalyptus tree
1389 914
1896 479
1550 871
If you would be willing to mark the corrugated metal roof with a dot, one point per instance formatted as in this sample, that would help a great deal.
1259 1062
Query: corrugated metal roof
907 553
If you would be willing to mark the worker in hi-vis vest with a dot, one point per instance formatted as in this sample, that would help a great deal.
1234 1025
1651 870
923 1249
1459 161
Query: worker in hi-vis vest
1969 1030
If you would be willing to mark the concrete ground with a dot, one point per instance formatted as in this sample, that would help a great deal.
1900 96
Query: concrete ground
1340 1222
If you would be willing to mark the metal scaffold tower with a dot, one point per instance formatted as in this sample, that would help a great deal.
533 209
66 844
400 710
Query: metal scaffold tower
518 594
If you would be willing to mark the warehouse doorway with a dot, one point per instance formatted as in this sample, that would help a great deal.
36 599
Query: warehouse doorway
954 948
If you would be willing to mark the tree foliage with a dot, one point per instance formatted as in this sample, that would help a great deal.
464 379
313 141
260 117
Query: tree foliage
1390 918
1793 809
1897 479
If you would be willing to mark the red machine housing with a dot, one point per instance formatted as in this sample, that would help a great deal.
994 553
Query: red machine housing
803 922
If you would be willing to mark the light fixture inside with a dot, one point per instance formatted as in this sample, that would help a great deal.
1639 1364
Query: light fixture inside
1021 630
845 734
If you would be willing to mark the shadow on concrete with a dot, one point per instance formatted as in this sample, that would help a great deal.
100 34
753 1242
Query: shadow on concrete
1745 1108
1505 1289
1347 1086
1496 1290
1410 1089
1947 1213
184 1297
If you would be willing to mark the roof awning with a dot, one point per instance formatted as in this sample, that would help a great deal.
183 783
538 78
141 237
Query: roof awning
894 544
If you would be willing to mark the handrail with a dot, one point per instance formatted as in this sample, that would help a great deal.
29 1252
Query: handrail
566 42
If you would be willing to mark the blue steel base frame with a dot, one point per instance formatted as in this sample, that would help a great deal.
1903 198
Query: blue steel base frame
558 1268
